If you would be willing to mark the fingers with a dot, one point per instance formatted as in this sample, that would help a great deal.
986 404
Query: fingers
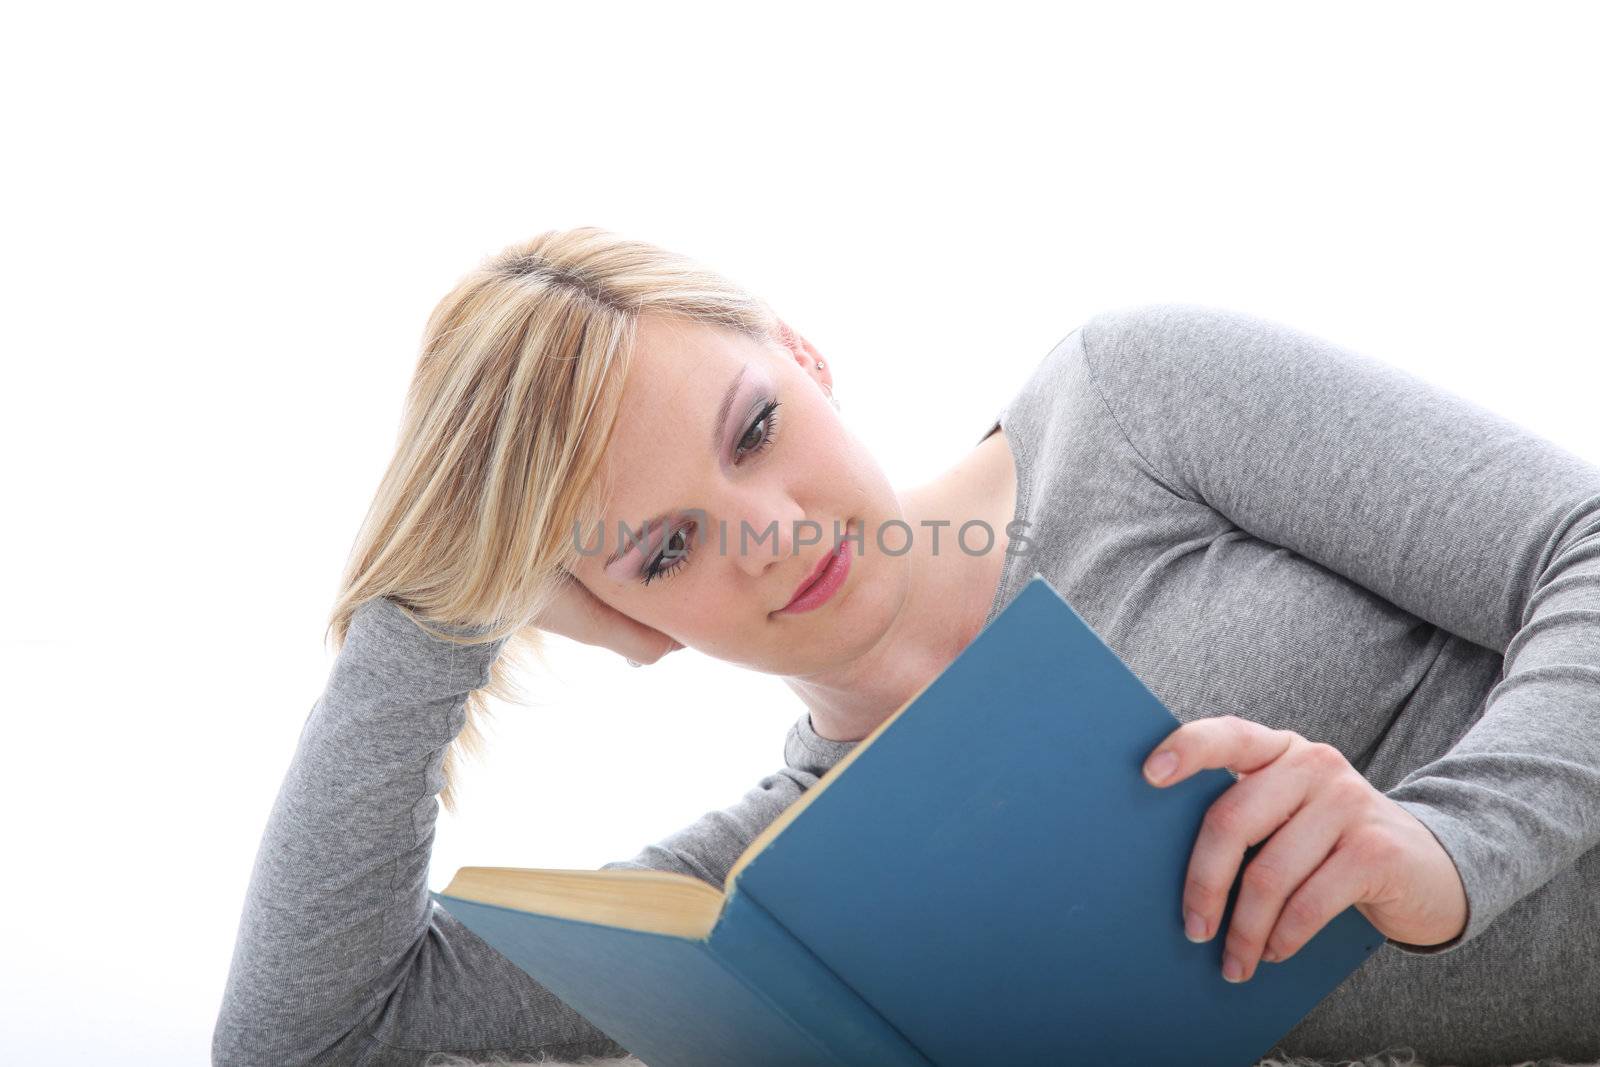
672 646
1296 795
1332 887
577 613
1223 741
1273 878
630 638
1248 812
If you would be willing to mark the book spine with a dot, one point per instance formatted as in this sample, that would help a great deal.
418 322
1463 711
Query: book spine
752 944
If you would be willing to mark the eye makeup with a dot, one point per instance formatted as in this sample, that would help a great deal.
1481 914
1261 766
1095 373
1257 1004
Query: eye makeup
758 436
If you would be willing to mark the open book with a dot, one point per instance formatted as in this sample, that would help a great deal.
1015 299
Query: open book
986 875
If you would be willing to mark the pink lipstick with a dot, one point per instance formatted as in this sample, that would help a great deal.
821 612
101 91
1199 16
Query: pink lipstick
821 585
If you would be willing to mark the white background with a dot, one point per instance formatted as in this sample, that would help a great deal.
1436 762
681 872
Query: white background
225 226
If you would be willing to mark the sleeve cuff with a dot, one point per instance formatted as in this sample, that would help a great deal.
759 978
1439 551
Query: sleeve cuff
1454 837
803 750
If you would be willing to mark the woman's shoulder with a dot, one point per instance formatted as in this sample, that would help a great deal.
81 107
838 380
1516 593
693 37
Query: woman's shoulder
1171 321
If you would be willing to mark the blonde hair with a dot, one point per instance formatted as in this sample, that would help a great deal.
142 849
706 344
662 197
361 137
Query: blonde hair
498 459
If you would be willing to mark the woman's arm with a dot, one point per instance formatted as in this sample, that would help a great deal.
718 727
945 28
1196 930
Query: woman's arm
707 848
342 958
1447 510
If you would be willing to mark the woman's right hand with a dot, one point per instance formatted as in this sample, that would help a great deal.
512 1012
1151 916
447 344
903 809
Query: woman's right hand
580 615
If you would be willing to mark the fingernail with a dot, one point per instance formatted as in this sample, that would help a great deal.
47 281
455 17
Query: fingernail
1161 766
1232 969
1194 927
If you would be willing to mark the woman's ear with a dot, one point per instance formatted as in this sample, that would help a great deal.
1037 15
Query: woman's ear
807 356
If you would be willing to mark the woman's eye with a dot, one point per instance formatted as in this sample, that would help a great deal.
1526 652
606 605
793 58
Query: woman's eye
767 422
673 555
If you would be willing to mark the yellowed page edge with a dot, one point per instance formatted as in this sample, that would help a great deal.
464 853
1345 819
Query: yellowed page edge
660 902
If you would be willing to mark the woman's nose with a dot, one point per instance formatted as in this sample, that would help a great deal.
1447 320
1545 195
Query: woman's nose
761 535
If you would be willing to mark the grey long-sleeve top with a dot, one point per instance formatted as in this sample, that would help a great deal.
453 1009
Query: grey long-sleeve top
1260 523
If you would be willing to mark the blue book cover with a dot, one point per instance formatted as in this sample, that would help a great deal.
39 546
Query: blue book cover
986 875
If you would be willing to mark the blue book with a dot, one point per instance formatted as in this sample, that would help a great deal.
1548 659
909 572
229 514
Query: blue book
986 875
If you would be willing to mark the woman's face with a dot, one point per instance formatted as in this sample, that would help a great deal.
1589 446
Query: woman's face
697 430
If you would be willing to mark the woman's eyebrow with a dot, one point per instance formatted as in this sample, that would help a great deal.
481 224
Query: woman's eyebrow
723 408
719 430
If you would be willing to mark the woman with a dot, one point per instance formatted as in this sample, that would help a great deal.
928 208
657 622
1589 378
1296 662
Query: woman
1376 602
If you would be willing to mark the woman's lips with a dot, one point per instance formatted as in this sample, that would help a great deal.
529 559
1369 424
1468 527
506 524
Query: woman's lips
835 567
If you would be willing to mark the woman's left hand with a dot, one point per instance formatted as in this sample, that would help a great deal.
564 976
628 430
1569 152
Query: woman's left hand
1342 842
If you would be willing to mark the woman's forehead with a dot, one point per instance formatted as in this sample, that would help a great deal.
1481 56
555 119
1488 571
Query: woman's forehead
686 375
688 387
670 343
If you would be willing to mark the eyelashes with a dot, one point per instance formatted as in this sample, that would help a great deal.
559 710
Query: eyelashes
767 420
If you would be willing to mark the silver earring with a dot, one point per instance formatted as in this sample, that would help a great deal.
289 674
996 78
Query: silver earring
828 389
633 662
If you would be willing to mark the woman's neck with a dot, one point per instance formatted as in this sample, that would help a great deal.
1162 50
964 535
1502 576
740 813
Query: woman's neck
948 598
